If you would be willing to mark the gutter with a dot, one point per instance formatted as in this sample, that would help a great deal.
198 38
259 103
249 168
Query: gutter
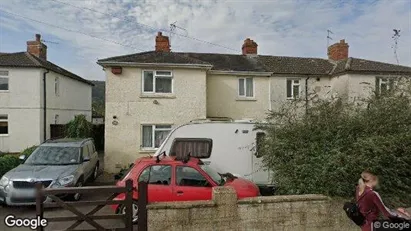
133 64
241 73
45 105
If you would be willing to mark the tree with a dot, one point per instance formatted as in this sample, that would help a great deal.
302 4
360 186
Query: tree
325 149
79 127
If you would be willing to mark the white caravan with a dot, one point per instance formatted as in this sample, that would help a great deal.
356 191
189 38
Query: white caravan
229 147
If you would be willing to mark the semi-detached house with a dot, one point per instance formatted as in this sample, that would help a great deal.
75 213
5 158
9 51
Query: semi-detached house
35 93
149 93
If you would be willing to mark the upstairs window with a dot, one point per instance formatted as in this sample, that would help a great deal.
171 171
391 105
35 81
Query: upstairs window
246 87
383 85
56 86
4 80
293 88
157 82
4 125
154 135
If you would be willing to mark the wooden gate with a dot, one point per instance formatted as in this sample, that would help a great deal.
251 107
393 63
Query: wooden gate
89 217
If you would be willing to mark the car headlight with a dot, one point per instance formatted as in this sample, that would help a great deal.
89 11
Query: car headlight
66 180
4 181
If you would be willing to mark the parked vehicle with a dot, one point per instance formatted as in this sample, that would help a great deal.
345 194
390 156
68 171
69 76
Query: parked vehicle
55 163
172 179
227 146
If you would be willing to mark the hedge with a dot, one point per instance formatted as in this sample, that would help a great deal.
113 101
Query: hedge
8 162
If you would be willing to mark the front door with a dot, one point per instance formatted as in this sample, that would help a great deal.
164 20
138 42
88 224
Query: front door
191 185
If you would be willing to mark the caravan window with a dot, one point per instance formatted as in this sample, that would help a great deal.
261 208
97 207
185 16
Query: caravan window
196 147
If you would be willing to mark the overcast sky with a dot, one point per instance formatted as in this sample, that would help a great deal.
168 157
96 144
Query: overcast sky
94 29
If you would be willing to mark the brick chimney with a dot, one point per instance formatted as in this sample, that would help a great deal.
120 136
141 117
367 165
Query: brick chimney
249 47
162 43
37 48
338 51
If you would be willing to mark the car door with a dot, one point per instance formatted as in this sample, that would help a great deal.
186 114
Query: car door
191 185
93 154
87 168
158 177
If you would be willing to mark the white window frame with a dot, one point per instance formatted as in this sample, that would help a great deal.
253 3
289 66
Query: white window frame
245 87
155 75
5 77
8 124
153 134
388 81
293 84
57 86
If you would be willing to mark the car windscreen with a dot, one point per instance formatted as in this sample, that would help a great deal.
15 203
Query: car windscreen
54 155
213 174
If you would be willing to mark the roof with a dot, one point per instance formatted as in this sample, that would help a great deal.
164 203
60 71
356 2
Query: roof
25 59
66 142
259 63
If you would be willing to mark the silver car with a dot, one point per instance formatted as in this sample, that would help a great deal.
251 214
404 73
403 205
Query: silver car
55 163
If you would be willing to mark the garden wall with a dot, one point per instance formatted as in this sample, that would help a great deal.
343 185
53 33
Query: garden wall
225 212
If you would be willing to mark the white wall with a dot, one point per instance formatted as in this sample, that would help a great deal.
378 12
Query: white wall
22 105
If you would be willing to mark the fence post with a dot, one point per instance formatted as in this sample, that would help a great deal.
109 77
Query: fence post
142 206
129 205
39 204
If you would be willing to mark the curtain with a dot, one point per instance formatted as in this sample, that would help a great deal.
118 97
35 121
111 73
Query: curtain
147 136
196 148
241 91
163 85
249 87
148 81
159 137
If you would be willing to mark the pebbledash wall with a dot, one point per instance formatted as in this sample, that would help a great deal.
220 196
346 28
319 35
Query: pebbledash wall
225 212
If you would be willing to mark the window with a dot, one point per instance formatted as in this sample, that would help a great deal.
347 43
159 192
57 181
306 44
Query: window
154 135
246 87
4 80
259 142
4 125
156 174
383 85
56 119
56 86
293 88
157 82
196 147
86 153
188 176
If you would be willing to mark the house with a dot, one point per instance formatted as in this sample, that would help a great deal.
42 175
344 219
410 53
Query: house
149 93
35 93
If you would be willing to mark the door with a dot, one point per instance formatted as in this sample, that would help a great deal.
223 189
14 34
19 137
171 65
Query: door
158 178
191 185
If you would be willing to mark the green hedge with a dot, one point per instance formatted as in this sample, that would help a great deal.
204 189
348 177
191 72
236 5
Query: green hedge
326 149
8 162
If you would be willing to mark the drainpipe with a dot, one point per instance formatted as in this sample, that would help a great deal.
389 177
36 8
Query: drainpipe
306 94
45 106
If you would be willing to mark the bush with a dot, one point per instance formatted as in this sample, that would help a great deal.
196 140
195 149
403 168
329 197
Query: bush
325 149
27 152
79 127
7 163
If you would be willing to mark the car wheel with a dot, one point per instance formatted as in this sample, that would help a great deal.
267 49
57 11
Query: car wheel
95 173
122 210
77 196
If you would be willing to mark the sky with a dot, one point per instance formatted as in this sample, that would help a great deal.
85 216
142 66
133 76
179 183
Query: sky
79 32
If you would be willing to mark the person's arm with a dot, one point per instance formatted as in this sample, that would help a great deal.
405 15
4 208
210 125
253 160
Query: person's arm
388 213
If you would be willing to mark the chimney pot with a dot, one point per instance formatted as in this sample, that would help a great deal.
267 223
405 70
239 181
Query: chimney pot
249 47
162 43
37 48
338 51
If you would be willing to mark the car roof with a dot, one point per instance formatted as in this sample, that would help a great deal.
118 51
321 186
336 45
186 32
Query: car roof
66 142
167 160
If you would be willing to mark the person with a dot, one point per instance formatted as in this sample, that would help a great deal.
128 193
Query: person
371 204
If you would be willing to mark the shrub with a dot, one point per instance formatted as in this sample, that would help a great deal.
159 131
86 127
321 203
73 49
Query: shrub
79 127
325 149
7 163
27 152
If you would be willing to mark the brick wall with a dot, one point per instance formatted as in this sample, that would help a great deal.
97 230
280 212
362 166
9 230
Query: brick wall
225 212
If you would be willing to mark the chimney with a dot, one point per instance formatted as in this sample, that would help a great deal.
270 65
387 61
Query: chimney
162 43
338 51
37 48
249 47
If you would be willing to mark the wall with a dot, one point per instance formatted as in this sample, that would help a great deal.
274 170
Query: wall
124 99
223 99
224 212
22 105
73 98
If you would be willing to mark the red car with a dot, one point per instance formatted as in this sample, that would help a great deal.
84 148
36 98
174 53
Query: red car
170 179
